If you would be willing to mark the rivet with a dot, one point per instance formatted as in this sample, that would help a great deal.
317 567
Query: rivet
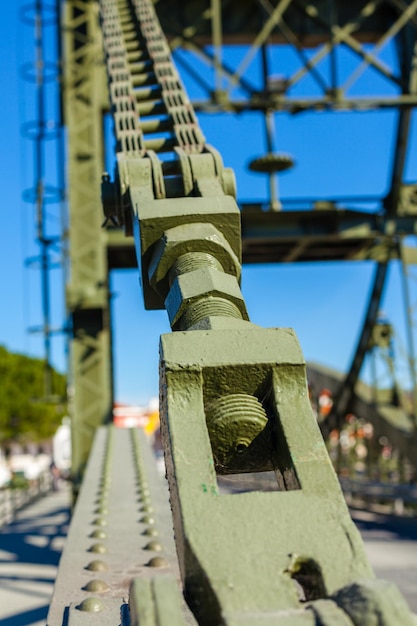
147 519
101 511
155 546
146 509
96 586
97 566
99 548
151 532
100 522
98 534
91 605
157 561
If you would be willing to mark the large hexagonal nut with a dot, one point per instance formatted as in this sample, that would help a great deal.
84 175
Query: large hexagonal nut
180 240
189 288
151 218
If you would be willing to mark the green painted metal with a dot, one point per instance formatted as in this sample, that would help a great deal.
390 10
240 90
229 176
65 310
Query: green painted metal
241 20
343 400
121 530
212 226
87 291
324 27
234 396
256 556
156 602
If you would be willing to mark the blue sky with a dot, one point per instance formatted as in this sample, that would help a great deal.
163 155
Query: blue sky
336 155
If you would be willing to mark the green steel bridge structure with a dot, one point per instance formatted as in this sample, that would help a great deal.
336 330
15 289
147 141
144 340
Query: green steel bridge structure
233 396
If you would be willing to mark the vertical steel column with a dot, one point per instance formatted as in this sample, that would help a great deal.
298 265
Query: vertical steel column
87 294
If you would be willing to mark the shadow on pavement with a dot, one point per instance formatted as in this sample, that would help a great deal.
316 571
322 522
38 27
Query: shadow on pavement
400 528
27 617
30 549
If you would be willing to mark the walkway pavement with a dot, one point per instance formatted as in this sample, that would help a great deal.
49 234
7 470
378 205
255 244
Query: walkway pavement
391 546
30 548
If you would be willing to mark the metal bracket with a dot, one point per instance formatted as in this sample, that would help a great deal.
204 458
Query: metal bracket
195 175
260 557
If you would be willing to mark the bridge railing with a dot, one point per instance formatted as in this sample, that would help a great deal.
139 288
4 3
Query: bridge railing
13 500
398 498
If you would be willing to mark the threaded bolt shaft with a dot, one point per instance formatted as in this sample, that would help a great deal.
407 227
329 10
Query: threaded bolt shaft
233 422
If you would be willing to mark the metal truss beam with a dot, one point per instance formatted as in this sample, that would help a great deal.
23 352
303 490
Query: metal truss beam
408 54
389 421
363 29
345 394
87 292
300 235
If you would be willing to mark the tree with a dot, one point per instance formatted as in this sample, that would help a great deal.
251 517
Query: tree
25 415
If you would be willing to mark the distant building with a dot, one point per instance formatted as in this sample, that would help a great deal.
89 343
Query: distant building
135 416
